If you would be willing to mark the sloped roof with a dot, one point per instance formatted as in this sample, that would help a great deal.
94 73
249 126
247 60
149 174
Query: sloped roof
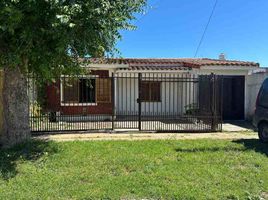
208 61
170 63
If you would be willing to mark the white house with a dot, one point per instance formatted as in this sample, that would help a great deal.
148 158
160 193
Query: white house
238 96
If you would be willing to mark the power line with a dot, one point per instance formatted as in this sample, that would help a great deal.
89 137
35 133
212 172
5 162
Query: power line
205 30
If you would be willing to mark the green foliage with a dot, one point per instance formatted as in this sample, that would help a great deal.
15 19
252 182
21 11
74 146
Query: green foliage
191 109
35 109
47 37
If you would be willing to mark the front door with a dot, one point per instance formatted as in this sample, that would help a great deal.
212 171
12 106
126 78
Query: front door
233 97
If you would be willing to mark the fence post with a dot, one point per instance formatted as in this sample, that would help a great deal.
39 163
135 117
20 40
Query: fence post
113 101
139 99
221 101
213 102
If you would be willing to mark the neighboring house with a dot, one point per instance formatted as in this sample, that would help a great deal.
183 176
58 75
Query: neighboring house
93 94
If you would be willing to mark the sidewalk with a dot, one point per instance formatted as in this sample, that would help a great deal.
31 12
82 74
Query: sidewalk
147 136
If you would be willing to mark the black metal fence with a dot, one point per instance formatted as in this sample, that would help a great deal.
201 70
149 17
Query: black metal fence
146 102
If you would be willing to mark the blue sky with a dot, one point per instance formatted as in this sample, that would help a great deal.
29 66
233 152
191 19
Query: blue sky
173 28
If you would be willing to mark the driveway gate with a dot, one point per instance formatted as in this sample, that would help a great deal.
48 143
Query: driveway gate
130 101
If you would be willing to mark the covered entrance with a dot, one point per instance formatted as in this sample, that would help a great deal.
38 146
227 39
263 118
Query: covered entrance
233 97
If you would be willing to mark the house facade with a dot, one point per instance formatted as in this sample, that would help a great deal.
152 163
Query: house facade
115 86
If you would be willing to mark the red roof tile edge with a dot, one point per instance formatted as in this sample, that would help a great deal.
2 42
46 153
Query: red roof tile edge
182 62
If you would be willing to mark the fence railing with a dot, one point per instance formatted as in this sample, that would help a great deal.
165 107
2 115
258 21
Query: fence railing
146 102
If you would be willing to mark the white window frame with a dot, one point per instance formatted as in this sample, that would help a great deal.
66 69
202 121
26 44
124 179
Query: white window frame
76 104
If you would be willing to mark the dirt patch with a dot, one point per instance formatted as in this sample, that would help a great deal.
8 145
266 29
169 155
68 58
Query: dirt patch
148 136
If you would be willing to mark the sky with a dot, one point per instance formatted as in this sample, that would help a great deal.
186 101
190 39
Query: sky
173 29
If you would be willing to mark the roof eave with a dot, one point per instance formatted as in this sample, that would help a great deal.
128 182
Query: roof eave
105 66
230 67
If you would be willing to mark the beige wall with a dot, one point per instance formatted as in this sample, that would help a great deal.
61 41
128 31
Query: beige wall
1 101
253 84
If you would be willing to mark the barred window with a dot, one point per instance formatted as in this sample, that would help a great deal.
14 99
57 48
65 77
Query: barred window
86 90
104 90
151 91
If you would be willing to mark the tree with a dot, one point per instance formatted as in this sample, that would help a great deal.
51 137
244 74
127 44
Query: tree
46 38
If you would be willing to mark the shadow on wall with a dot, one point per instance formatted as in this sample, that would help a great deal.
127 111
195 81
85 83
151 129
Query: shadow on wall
248 145
30 151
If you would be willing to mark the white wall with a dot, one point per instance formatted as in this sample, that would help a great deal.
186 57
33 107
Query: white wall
175 94
253 84
227 72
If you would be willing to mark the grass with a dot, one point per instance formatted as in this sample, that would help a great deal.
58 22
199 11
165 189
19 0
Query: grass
186 169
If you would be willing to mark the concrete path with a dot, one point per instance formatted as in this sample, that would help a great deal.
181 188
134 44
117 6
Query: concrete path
237 126
227 127
148 136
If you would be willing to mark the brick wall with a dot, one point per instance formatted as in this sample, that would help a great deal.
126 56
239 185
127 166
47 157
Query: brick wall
53 101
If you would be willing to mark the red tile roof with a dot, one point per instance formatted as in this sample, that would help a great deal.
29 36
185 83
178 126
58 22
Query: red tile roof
170 63
208 61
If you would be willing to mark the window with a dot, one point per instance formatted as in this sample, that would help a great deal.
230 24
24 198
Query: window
104 90
85 90
82 90
70 90
263 98
151 91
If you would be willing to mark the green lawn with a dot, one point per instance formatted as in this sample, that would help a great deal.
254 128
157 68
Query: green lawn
187 169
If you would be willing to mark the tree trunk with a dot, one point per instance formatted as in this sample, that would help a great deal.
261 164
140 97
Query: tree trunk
16 110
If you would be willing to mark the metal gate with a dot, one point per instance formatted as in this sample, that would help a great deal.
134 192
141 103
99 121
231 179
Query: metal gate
131 101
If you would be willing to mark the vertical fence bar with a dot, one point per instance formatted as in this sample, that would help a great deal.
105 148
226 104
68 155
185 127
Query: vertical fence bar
213 94
139 100
113 101
221 101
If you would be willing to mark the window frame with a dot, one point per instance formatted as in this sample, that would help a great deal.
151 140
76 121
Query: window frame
76 104
150 91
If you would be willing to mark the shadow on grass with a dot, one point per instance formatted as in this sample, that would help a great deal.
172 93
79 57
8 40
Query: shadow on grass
29 151
254 144
209 149
248 144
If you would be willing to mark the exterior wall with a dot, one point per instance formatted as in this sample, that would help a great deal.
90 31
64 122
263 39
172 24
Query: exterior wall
226 72
253 84
54 101
175 96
